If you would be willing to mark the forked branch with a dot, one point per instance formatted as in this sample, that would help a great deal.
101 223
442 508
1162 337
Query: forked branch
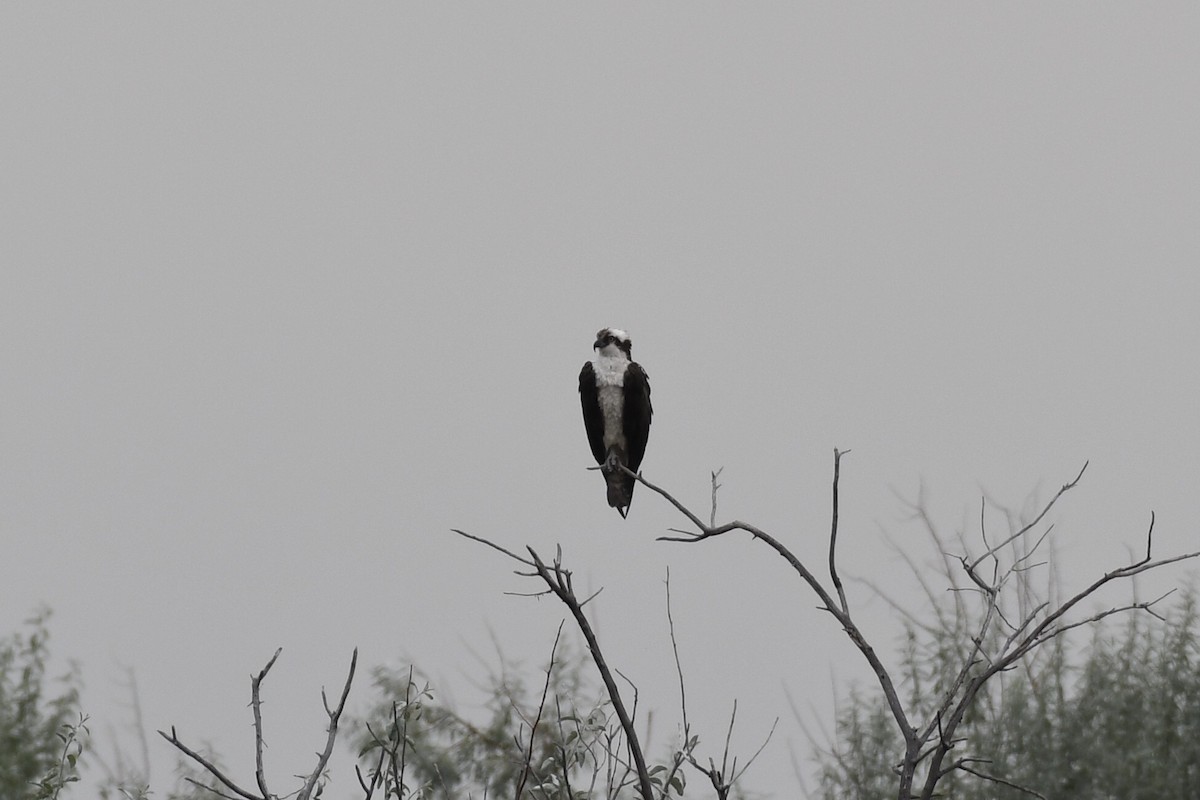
312 780
1036 627
558 581
930 744
838 609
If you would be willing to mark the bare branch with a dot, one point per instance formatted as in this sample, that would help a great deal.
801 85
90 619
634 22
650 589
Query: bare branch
590 597
712 517
334 716
256 705
1026 636
558 580
675 651
833 532
728 736
495 546
828 603
1149 536
684 754
210 767
1044 631
1045 510
705 530
962 765
757 752
541 706
1146 606
208 788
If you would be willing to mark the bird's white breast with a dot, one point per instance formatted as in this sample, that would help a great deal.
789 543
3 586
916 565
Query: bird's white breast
610 391
610 370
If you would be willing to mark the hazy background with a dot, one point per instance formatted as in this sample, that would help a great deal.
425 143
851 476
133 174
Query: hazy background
288 291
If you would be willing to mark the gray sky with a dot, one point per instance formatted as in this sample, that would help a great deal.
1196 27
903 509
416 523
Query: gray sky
288 291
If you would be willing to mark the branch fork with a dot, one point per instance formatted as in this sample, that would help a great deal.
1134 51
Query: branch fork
311 781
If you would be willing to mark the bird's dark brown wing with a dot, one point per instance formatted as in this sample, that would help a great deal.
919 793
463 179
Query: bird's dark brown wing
593 420
637 413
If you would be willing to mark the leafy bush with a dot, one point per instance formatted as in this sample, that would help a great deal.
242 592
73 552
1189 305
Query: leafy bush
1119 722
41 732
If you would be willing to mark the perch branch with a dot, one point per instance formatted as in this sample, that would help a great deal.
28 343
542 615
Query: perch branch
828 603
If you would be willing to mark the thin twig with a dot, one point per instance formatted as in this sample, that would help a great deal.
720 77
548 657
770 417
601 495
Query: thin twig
675 651
210 767
398 776
728 737
541 707
833 532
712 517
1045 510
1026 790
685 752
207 788
757 752
495 546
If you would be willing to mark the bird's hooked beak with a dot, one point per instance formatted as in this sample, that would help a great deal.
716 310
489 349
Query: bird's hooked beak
596 345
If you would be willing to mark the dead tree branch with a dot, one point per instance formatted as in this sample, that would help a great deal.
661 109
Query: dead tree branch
1030 634
311 781
833 575
1039 623
828 603
533 727
558 581
684 753
334 715
209 767
256 706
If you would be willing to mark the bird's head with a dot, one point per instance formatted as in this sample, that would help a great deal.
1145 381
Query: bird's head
612 342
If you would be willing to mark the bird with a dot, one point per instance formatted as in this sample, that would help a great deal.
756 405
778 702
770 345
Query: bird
614 391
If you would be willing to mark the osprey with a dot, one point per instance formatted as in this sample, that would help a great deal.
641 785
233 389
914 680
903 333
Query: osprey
615 394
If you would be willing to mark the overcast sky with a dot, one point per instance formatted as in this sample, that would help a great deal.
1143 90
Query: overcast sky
288 291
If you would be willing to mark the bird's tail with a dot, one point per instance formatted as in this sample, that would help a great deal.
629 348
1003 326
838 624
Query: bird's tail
620 489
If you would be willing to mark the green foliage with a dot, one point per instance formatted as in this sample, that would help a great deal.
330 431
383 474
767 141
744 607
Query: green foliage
858 767
556 740
65 769
41 733
416 742
1121 722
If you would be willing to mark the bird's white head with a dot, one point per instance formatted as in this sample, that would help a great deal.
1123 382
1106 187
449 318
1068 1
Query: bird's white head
613 342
